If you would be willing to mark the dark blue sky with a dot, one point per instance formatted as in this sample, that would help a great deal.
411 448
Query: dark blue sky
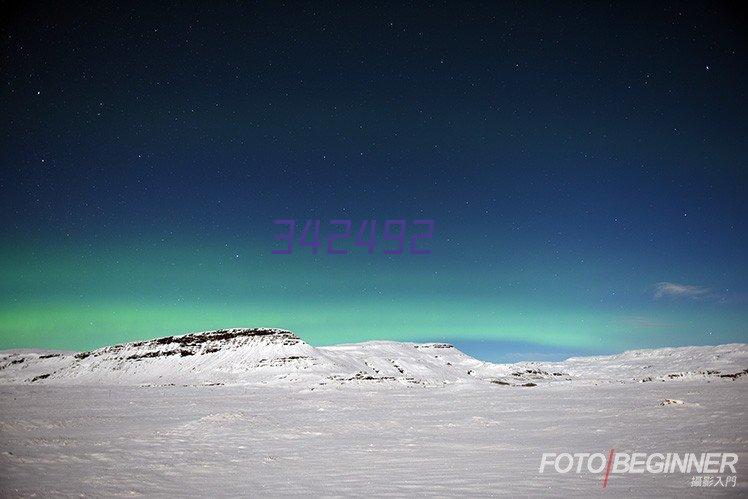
584 164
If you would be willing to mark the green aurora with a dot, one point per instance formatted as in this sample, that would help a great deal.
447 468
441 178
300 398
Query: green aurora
74 299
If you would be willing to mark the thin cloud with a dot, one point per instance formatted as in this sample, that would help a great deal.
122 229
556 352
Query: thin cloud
675 290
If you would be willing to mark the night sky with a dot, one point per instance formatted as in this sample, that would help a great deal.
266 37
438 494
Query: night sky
585 165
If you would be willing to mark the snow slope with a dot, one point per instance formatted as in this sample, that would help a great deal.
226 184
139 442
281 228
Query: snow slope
275 356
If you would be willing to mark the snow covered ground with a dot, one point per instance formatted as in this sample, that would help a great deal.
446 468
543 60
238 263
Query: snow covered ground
347 421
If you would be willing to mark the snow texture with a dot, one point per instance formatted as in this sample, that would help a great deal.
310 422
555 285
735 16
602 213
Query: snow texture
260 412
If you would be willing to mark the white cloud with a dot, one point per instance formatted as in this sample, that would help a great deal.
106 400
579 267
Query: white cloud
671 289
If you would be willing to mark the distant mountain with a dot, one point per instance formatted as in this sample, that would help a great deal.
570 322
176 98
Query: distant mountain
263 356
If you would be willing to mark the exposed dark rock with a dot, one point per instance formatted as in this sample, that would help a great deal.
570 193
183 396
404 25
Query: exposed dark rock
361 376
188 342
12 362
735 375
229 334
672 402
196 339
400 369
279 361
151 355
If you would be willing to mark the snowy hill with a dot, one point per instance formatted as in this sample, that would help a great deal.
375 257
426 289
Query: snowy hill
276 356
